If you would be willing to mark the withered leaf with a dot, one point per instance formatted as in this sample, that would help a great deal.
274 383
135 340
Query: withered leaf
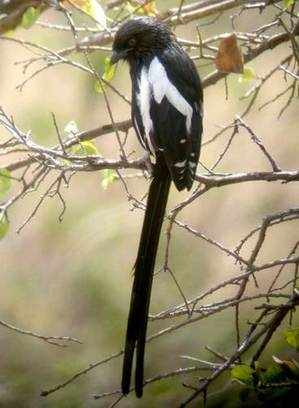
229 57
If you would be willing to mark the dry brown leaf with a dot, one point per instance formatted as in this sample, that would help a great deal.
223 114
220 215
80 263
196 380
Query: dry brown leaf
229 57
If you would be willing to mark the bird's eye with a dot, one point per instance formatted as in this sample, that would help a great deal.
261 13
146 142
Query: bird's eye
132 42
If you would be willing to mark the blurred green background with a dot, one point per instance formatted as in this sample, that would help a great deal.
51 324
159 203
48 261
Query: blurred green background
74 278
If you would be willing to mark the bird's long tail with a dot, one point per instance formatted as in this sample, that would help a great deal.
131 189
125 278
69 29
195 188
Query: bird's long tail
143 277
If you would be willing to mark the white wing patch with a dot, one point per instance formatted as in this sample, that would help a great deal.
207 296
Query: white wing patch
144 103
154 83
161 86
180 164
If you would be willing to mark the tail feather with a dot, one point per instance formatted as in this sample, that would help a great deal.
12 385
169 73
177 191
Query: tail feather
143 277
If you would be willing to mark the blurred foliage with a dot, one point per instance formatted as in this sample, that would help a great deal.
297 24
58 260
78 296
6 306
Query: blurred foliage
86 148
271 386
292 337
4 225
30 16
5 182
108 177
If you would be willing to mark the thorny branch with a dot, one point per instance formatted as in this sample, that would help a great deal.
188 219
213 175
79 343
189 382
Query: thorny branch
32 166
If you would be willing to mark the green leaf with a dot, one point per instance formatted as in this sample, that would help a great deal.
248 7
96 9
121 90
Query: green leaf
93 9
4 225
109 176
30 16
109 71
292 337
98 87
273 374
288 3
71 128
86 148
5 182
248 75
243 373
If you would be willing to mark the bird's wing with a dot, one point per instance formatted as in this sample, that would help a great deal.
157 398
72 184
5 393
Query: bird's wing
175 112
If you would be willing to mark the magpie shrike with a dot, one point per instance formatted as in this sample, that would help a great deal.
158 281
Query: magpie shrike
167 117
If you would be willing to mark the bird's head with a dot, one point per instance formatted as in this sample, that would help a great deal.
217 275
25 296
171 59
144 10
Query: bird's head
139 38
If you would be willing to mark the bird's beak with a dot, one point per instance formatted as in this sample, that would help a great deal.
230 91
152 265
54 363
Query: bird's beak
117 55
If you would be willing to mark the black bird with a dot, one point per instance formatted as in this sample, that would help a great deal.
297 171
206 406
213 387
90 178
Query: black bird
167 117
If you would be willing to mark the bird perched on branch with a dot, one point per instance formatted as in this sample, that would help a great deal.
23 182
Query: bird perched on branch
167 117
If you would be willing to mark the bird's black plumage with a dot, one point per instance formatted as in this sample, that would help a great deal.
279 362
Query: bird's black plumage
167 117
